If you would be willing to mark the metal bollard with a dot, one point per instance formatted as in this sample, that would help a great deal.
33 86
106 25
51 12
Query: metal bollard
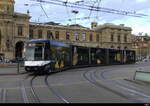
18 67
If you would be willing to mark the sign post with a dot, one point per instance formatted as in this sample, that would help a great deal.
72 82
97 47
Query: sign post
18 67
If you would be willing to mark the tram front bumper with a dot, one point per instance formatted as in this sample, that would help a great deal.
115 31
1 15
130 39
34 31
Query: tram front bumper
35 69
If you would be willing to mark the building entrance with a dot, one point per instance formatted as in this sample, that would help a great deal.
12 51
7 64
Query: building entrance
19 49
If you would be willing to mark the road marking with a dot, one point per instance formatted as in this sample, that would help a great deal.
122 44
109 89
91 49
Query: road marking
4 96
24 94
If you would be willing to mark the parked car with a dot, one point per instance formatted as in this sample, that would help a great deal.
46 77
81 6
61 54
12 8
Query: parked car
6 60
146 60
16 60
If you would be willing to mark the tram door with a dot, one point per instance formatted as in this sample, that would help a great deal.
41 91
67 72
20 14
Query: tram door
80 56
98 56
61 56
130 57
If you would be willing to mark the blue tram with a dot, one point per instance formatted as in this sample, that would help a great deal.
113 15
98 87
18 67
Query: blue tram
46 56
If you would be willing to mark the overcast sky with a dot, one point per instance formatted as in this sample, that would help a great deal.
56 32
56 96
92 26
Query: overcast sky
62 14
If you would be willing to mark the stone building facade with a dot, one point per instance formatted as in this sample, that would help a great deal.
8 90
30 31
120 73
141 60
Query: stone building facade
104 36
141 44
115 36
15 29
72 34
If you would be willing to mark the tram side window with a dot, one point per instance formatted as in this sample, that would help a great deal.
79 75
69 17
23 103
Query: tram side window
54 52
61 56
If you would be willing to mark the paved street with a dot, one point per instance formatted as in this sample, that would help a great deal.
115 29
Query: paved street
106 84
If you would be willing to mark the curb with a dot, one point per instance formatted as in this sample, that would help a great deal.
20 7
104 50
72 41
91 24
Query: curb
138 82
6 65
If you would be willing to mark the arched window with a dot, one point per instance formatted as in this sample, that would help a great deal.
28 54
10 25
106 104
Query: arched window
125 38
20 30
119 47
83 36
119 38
76 35
91 37
40 33
112 37
125 47
112 47
31 34
49 35
57 34
97 37
67 35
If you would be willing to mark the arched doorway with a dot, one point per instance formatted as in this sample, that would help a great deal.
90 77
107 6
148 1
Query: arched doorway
19 49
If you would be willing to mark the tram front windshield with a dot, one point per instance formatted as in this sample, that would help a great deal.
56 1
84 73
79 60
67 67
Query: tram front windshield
35 51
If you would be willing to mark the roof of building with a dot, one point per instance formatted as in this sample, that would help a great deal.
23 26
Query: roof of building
74 26
141 39
110 25
52 23
21 14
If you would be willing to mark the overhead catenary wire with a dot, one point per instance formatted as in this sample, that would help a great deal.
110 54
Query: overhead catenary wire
91 12
81 5
94 8
38 4
67 10
98 5
43 10
91 9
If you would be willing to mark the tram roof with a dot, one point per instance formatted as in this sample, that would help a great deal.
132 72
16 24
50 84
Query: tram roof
53 42
38 40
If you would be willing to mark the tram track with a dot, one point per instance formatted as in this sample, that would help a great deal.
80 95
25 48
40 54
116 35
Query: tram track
92 78
29 96
55 93
131 89
4 91
113 83
32 89
23 90
32 96
3 95
122 86
97 84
